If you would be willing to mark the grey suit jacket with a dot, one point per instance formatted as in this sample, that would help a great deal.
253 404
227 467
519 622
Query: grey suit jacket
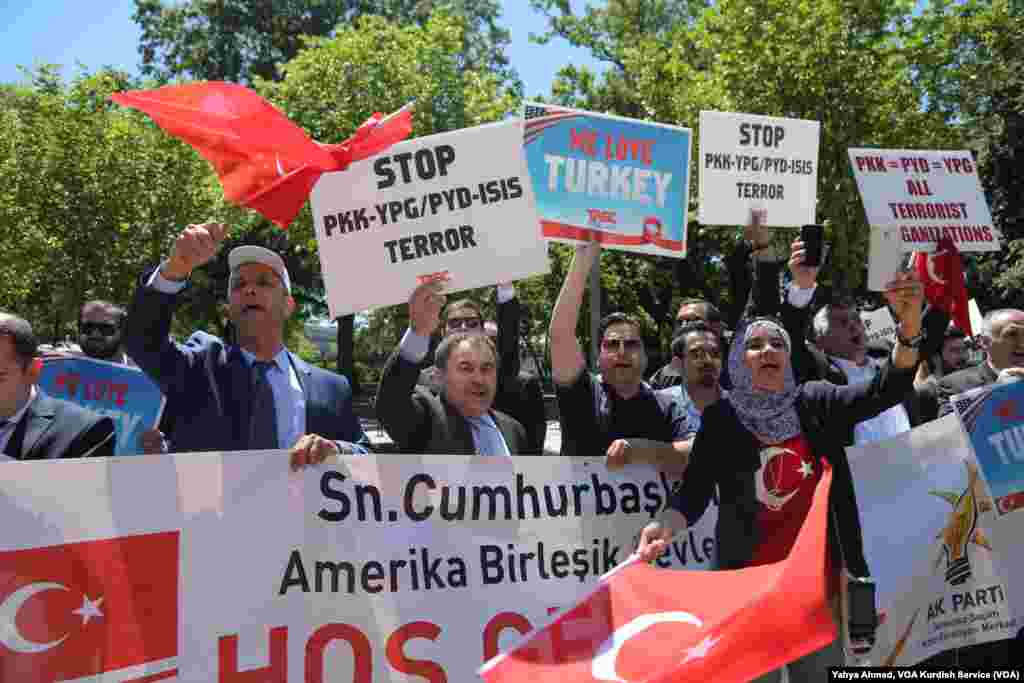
420 422
53 428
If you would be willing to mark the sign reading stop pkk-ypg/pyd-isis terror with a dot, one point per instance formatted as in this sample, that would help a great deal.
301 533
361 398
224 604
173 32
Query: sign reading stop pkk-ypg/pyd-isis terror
455 207
617 181
757 162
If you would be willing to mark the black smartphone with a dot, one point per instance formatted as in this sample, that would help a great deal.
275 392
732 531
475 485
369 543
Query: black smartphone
813 237
861 602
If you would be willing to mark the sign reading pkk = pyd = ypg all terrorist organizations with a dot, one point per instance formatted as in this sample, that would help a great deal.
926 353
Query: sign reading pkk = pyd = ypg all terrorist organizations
925 195
757 162
617 181
456 207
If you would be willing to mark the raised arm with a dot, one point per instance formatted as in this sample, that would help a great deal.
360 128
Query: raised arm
401 414
148 325
509 313
895 379
567 360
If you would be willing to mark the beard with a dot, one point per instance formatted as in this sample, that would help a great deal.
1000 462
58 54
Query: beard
104 350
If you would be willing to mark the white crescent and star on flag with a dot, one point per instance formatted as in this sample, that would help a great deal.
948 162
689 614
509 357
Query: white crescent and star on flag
12 638
603 666
771 496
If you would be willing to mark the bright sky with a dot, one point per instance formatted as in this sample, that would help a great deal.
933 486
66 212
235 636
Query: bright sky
98 33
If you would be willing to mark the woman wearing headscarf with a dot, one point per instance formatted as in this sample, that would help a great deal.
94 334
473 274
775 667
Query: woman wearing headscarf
763 446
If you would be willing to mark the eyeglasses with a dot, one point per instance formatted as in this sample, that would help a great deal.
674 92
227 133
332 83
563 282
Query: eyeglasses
703 354
463 323
105 329
621 345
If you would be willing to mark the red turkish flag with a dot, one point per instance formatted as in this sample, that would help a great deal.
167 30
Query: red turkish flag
660 626
942 273
264 161
96 607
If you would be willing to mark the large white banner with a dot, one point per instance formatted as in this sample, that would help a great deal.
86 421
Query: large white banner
757 162
456 206
926 195
369 569
926 518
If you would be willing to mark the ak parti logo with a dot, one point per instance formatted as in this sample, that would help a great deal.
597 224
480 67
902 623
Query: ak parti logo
96 610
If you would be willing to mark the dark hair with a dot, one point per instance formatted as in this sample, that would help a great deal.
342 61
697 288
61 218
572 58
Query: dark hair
20 332
106 305
694 301
464 303
617 318
444 349
679 342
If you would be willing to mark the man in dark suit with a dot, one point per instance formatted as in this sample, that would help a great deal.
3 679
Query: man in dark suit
519 394
253 395
1002 337
34 426
460 420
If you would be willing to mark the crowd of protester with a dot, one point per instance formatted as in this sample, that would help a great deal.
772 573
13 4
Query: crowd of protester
789 368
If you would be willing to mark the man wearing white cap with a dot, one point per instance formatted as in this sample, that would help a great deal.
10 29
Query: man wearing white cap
256 395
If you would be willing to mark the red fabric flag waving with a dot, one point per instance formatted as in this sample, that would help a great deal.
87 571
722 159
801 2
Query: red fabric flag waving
943 276
264 161
660 626
106 607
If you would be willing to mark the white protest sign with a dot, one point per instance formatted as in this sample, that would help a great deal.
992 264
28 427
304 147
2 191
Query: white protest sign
757 162
220 567
885 256
926 195
926 522
879 324
976 317
456 206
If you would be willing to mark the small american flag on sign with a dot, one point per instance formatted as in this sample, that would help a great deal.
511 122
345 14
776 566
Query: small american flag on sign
969 406
537 118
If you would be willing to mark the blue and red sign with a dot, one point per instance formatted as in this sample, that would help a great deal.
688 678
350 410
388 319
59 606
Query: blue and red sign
621 182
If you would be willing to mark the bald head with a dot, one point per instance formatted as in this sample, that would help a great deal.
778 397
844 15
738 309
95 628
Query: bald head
1002 335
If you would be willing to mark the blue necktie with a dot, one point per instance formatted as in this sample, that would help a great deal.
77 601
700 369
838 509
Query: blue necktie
489 440
262 413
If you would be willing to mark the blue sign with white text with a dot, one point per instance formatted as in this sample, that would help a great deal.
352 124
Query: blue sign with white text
123 392
617 181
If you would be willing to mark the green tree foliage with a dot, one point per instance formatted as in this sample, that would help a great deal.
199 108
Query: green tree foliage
91 194
240 40
969 62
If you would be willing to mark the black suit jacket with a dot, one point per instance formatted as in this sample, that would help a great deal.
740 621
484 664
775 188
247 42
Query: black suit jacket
421 422
520 394
936 394
53 428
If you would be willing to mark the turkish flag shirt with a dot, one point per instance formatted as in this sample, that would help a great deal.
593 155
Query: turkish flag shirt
784 484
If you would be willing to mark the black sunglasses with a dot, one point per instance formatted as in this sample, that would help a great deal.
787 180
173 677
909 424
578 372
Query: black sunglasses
106 329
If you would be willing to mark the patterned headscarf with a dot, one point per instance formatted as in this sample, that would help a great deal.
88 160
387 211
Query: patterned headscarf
769 415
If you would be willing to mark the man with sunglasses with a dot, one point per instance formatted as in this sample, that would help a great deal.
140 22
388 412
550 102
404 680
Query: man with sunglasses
518 394
615 414
100 332
100 327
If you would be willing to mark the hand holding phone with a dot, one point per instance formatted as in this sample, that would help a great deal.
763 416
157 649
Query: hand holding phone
813 237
